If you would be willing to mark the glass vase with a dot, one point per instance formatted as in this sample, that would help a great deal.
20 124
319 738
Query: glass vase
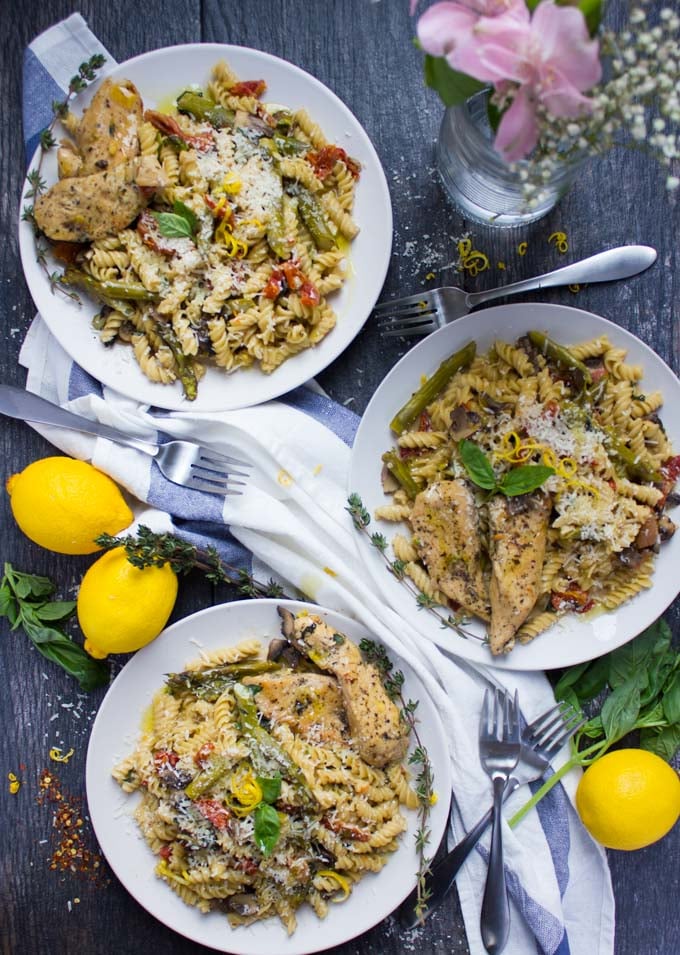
478 181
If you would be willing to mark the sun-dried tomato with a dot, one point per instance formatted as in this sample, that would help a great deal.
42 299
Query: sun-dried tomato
573 599
201 755
170 127
165 852
345 831
323 160
165 756
248 88
214 812
150 234
275 285
424 422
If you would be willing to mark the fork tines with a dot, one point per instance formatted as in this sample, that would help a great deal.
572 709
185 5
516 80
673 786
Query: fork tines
210 473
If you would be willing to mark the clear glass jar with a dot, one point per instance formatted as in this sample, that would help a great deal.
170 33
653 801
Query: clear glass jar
478 181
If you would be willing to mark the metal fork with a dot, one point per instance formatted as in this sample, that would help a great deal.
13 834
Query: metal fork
499 752
541 741
425 312
182 462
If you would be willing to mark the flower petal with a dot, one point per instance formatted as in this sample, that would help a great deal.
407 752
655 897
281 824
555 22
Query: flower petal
443 26
518 130
494 50
561 98
565 44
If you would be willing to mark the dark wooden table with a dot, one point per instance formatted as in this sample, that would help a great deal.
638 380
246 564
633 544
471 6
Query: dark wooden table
362 50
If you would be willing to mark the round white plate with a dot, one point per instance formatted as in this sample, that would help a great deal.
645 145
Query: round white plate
160 76
114 735
574 639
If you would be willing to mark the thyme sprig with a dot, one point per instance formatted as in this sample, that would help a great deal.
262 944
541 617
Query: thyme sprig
393 681
361 520
87 73
150 549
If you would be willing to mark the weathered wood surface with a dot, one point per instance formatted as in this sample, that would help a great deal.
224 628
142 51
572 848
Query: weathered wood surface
363 51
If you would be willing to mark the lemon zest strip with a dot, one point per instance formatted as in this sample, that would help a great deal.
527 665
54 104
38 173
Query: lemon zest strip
342 882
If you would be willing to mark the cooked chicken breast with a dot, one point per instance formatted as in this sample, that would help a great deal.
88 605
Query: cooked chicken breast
108 133
310 703
517 533
446 526
374 720
84 208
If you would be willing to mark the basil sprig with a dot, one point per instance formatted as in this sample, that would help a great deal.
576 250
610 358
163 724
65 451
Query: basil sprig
267 823
25 602
181 223
520 480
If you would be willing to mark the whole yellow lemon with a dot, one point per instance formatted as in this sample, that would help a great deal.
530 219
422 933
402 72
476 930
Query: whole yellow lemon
63 504
629 799
122 608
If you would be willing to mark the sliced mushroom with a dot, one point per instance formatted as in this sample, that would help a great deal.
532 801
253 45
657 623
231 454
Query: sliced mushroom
666 528
648 533
463 423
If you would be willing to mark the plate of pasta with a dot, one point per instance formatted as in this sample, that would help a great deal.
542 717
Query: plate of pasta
522 506
242 793
215 228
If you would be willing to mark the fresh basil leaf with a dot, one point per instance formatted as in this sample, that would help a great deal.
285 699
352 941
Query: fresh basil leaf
568 695
664 742
620 709
37 631
172 226
671 700
523 479
56 610
476 464
594 680
267 828
635 656
26 585
593 729
7 601
271 787
185 212
568 678
453 87
58 648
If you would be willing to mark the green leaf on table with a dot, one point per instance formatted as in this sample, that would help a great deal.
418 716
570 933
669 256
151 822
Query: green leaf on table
267 828
567 680
635 656
594 680
453 87
671 700
593 729
477 465
28 585
621 708
665 742
59 648
56 610
524 479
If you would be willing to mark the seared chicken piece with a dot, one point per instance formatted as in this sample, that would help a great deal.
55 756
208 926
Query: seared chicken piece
446 526
374 720
310 703
108 133
69 162
84 208
517 531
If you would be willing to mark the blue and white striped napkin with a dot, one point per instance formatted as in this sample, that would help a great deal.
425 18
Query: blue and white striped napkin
291 523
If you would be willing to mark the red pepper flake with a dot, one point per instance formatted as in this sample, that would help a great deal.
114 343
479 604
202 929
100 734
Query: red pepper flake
323 160
69 832
248 88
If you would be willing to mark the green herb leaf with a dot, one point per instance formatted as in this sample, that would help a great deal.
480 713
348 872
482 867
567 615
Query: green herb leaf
620 709
477 464
524 479
56 610
267 828
665 742
59 648
453 87
172 226
671 700
185 212
271 787
635 656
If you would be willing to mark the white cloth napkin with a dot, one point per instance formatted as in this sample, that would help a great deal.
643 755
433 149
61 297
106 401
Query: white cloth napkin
291 521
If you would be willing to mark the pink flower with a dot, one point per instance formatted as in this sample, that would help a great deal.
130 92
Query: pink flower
550 57
445 26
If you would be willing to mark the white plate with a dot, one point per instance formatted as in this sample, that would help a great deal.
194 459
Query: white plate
573 639
159 76
114 734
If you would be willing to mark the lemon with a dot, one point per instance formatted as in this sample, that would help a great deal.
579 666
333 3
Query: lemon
63 504
628 799
122 608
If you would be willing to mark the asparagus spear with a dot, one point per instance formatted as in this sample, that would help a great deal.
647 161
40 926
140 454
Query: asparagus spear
204 781
276 233
127 291
205 109
428 391
559 354
209 684
283 145
401 472
313 217
187 375
264 749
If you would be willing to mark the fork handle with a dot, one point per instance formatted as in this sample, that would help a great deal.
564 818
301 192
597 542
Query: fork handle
24 405
495 920
619 263
440 879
